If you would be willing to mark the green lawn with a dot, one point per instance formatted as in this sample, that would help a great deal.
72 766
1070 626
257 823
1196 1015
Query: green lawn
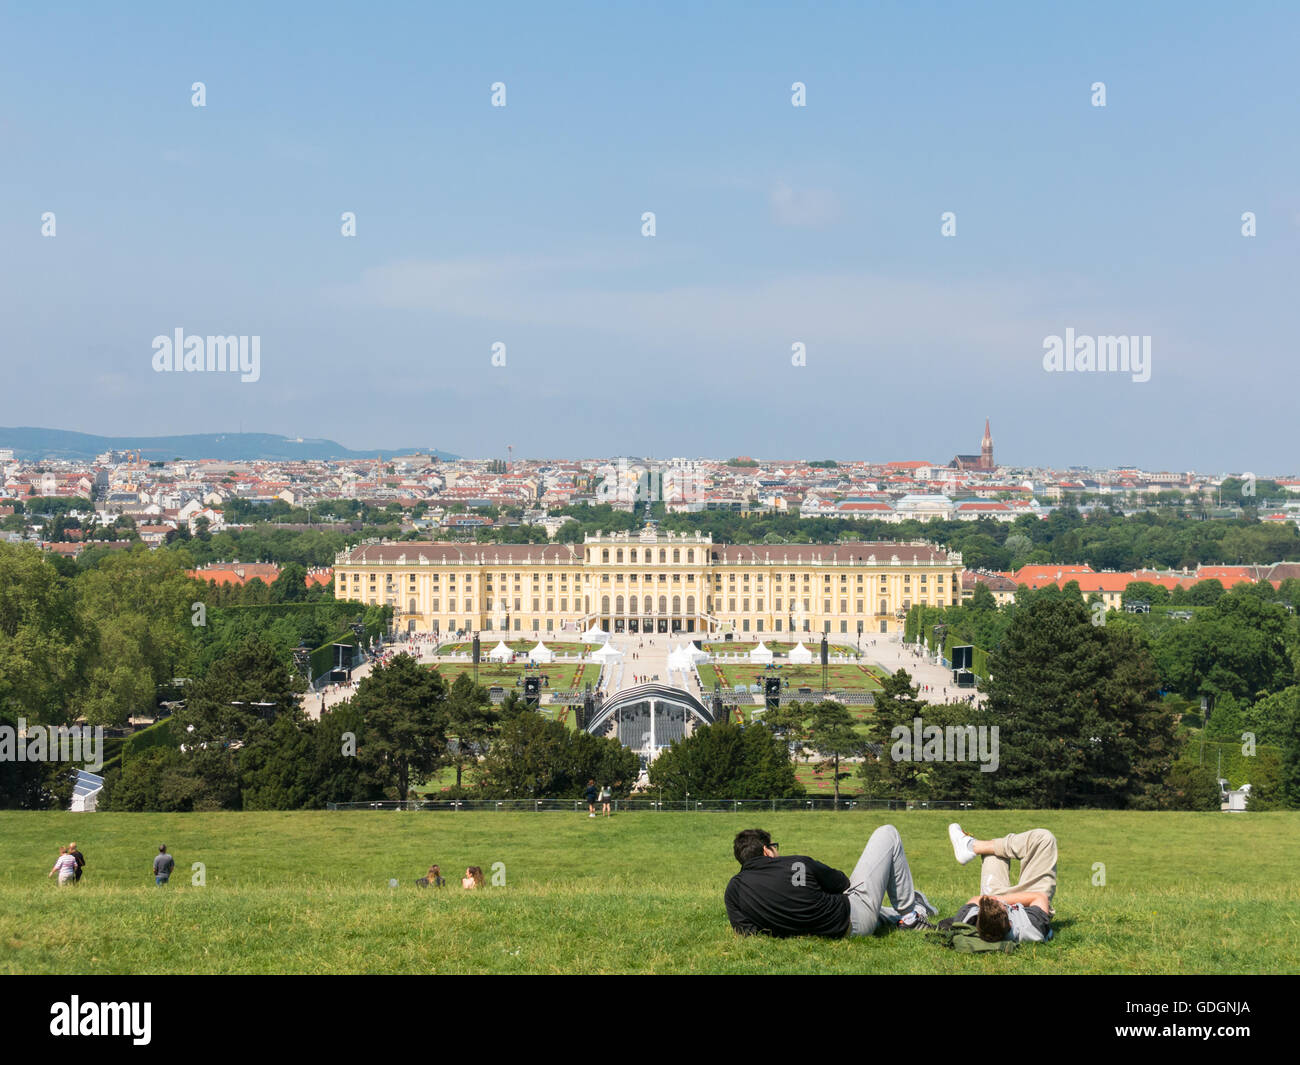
640 892
842 677
564 676
819 780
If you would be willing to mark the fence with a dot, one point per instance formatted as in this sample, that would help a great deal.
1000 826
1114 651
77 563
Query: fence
819 802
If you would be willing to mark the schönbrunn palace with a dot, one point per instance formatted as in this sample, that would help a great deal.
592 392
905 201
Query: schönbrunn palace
649 582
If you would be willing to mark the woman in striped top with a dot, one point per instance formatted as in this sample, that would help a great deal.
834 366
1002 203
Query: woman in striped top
66 867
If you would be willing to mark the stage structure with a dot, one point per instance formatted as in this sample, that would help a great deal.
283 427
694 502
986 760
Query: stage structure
649 717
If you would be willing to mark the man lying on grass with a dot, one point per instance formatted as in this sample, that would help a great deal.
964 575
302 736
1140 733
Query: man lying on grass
799 896
1021 912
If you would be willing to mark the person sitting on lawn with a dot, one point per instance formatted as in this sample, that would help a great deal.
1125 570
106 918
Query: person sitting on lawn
1021 912
472 879
432 879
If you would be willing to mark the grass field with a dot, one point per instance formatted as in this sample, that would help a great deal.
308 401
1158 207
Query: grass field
564 676
842 677
640 892
819 780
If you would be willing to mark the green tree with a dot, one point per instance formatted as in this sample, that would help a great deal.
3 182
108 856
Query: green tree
291 585
158 779
726 761
1192 787
535 758
229 710
471 722
405 713
138 606
896 708
278 771
834 736
1078 715
42 642
1289 785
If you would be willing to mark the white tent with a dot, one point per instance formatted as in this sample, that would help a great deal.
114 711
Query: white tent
608 653
760 654
595 634
679 659
800 654
541 653
86 789
501 653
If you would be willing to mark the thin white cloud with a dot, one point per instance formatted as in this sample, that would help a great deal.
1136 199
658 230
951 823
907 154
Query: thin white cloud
994 321
806 208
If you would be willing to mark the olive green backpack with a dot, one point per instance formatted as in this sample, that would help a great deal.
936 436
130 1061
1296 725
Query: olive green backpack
964 939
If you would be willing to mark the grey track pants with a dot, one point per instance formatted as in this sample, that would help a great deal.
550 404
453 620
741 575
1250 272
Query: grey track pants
882 870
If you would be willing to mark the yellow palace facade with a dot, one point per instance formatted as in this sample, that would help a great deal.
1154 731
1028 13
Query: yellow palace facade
649 582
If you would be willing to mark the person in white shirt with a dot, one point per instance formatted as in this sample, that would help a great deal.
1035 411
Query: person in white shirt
66 867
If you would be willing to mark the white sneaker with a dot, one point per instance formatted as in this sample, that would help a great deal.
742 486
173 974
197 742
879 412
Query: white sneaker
591 815
961 843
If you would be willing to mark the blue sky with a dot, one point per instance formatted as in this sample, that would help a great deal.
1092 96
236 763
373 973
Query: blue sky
775 225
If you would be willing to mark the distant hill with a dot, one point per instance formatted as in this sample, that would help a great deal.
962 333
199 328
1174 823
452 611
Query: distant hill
33 444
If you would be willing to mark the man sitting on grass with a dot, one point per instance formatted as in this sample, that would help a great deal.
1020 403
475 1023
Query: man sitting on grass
799 896
1021 912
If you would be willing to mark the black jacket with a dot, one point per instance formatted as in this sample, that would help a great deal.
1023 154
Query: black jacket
788 896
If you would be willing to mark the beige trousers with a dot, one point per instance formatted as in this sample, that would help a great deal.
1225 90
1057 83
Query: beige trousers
1035 850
